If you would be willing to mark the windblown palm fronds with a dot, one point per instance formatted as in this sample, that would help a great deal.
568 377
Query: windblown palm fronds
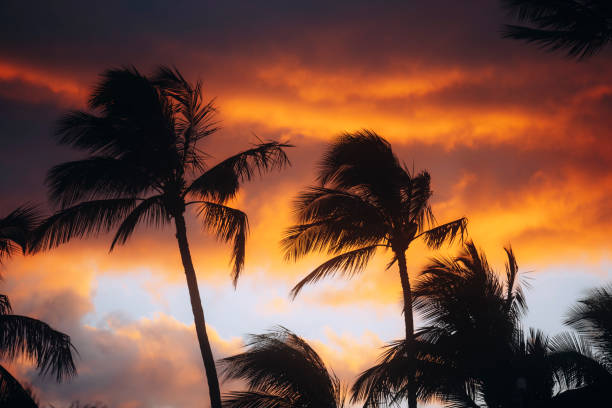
281 371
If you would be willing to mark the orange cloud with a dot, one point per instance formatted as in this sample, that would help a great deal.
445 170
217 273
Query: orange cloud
66 89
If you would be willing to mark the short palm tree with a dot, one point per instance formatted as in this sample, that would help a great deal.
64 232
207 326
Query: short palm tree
22 336
472 349
282 371
366 200
144 166
581 27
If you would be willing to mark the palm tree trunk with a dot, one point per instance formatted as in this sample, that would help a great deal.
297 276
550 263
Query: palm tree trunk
198 313
409 322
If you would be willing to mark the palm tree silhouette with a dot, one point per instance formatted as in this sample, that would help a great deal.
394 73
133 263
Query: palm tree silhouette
282 371
581 27
472 349
22 336
592 319
145 167
366 200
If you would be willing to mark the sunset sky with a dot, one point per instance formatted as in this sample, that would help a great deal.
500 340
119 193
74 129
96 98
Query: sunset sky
515 139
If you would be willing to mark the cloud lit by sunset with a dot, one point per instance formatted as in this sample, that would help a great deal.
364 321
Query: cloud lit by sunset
516 139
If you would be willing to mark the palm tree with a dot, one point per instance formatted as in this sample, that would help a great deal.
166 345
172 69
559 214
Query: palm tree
366 200
33 339
468 313
592 319
144 166
472 349
282 371
581 27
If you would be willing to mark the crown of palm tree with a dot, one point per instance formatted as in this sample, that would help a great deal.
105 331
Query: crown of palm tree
144 163
281 371
366 200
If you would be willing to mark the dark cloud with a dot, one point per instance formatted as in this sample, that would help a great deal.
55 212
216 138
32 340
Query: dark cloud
82 37
27 149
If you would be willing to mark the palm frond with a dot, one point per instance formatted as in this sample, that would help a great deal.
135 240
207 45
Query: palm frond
87 131
388 382
241 167
196 117
379 385
332 221
582 28
348 264
577 44
574 362
12 393
515 294
122 91
355 159
152 211
435 237
84 219
592 318
282 364
316 203
254 399
228 224
221 181
51 350
97 177
415 195
15 230
528 10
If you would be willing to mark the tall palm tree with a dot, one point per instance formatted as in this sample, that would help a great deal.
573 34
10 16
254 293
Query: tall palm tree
472 349
144 166
22 336
581 27
366 199
282 371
